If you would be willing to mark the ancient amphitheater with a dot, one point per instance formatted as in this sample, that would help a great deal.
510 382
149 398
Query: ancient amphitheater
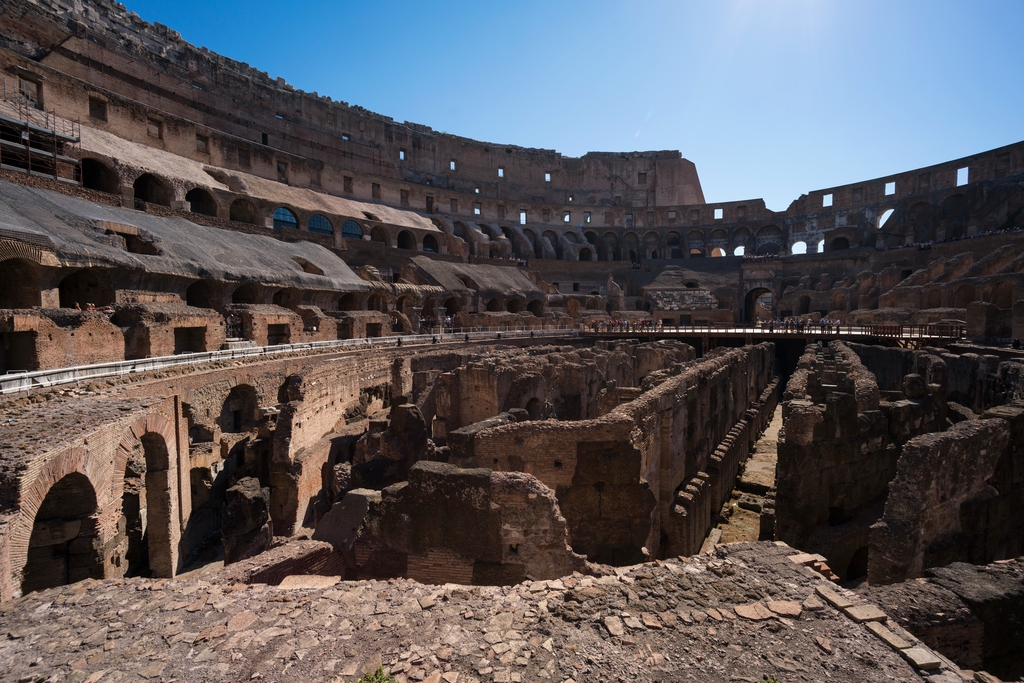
293 391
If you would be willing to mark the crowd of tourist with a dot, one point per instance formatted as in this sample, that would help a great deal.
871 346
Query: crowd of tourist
646 325
800 325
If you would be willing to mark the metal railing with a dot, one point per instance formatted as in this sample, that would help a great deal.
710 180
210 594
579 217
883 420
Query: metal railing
26 381
924 332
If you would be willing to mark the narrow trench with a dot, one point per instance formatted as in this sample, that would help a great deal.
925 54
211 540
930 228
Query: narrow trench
740 516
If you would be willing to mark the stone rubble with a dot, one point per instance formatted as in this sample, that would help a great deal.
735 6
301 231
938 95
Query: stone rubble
737 615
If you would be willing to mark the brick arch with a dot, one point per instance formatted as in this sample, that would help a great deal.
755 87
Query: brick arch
153 423
69 461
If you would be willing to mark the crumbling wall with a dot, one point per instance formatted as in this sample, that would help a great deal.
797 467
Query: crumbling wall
957 496
646 448
447 524
844 426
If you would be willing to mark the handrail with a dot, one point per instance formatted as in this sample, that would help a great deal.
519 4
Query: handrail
929 331
25 381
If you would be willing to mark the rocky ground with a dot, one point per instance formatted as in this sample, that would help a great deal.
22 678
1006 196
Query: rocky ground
745 612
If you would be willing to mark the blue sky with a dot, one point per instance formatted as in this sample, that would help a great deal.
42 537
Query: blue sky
769 98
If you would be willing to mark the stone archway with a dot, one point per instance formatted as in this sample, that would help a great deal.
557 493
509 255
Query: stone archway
56 556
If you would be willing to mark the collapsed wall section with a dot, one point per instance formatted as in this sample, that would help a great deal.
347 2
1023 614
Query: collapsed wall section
452 525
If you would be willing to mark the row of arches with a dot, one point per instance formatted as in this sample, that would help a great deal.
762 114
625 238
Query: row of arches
67 539
151 189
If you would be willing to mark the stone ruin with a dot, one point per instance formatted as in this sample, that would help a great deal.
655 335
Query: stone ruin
271 413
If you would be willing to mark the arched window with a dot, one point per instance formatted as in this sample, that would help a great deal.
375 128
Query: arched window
821 246
739 251
320 225
717 252
153 190
201 201
98 176
243 211
351 230
884 217
283 218
406 240
799 248
429 244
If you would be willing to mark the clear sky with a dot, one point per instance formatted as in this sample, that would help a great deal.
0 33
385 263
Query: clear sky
769 98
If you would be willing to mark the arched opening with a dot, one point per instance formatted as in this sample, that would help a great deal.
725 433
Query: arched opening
515 305
200 295
462 231
152 190
695 241
654 254
320 224
531 237
964 296
556 245
246 294
98 176
768 240
614 248
739 251
586 255
535 407
377 302
495 305
379 234
406 240
351 230
349 302
599 248
821 246
158 505
56 556
673 244
799 247
884 218
858 566
284 218
803 305
452 306
404 305
244 211
933 299
287 298
758 305
536 307
839 243
717 252
19 285
201 202
696 253
86 287
429 244
238 413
